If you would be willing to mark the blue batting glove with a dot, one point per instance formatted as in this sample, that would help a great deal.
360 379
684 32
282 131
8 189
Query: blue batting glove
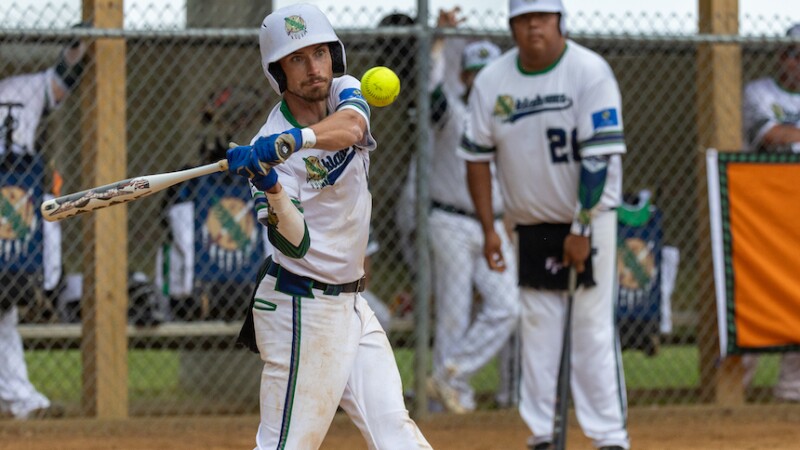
276 148
265 182
242 161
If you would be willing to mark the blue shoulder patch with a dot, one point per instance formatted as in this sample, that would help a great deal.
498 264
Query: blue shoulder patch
351 93
605 118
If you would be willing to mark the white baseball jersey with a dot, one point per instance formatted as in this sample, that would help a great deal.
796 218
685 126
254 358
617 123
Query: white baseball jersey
448 171
325 183
35 92
577 110
764 105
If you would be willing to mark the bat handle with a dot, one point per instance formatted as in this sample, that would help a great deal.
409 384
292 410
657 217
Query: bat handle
223 165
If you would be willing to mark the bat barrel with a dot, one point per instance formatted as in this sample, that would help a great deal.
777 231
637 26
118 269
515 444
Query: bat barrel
95 198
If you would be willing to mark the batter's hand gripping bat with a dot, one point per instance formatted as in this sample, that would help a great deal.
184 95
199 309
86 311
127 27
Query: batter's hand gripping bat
131 189
562 387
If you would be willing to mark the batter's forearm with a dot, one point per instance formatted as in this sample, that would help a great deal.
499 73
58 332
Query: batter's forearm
288 232
341 129
479 180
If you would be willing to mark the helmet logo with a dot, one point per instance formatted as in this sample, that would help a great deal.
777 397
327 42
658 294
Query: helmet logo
295 27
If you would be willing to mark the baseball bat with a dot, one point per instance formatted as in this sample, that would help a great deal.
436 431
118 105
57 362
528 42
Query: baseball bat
562 387
121 191
134 188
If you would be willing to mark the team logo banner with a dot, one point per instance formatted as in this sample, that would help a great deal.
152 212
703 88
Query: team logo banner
755 236
638 267
228 244
21 179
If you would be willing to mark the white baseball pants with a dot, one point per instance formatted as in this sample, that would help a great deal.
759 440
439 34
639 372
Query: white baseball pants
598 384
17 394
465 342
320 353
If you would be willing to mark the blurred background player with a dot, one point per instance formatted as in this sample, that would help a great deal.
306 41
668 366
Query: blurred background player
378 306
462 344
227 115
548 113
771 123
26 99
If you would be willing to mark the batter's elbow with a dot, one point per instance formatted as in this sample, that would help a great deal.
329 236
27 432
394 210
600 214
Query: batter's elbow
356 133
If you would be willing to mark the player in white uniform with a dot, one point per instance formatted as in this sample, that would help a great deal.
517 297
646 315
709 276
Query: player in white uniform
548 113
462 345
321 344
36 94
771 122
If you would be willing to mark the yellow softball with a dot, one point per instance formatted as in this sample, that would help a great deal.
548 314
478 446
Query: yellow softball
380 86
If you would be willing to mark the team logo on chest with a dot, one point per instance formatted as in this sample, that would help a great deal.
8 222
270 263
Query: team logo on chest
321 172
783 116
509 109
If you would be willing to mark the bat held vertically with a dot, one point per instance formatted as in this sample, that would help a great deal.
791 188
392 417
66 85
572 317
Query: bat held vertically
121 191
563 384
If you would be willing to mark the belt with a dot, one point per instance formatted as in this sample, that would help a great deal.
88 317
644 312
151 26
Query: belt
456 210
294 284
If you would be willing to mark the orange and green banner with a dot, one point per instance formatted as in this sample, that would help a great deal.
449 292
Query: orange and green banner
754 202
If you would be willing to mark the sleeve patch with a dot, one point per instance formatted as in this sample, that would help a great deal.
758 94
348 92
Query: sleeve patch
350 93
605 118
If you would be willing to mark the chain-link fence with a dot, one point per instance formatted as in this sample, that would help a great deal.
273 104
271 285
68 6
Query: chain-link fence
193 250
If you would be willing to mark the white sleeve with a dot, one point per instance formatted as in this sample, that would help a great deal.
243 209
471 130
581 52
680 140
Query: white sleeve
346 94
51 235
445 68
758 117
478 144
599 110
181 222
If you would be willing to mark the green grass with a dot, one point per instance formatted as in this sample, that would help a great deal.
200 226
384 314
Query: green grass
57 373
154 373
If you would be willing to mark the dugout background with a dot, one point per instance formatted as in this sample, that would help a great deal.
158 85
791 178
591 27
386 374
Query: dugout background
189 368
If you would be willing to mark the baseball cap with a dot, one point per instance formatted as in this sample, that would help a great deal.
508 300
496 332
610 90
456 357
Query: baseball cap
478 54
520 7
792 49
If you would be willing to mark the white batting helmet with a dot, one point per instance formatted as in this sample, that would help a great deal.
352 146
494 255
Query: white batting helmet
291 28
520 7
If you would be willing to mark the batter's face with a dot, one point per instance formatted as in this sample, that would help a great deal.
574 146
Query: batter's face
309 72
537 34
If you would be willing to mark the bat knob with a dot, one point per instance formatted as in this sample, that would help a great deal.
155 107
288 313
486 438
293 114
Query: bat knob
284 151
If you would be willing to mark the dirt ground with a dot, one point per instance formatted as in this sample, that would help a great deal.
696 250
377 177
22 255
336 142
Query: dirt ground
695 427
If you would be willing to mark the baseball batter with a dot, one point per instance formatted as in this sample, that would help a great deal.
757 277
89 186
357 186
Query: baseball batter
548 113
321 344
462 344
771 123
33 95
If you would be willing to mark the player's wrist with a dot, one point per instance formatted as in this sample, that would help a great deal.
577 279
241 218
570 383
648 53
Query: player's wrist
582 223
308 137
266 182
